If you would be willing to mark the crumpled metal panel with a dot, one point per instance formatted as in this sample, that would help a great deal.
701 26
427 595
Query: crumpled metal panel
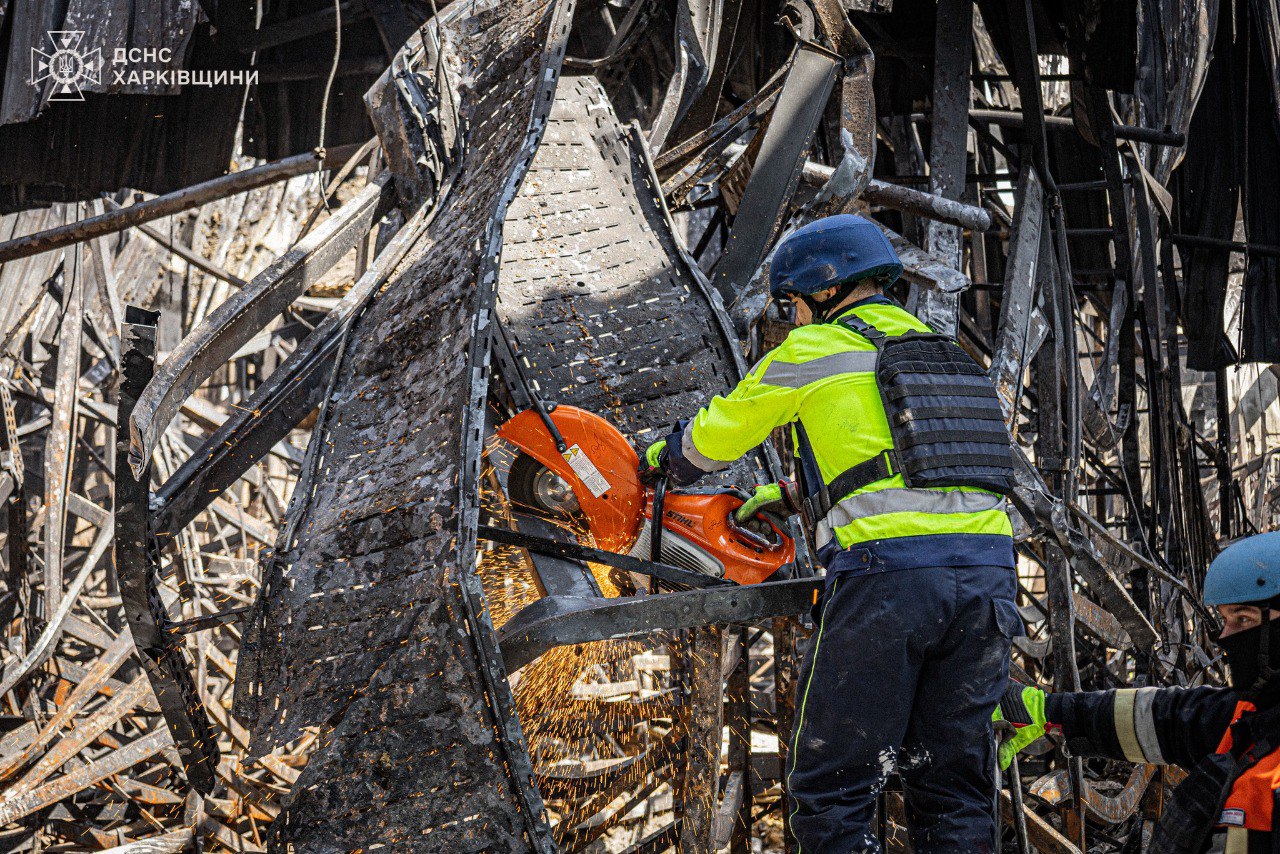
595 292
606 312
1177 42
371 619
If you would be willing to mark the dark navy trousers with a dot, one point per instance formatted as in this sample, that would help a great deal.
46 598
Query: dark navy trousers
903 671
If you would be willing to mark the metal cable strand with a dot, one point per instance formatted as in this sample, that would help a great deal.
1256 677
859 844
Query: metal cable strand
324 102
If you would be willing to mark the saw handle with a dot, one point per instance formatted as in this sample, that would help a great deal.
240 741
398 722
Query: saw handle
544 413
772 524
655 533
770 541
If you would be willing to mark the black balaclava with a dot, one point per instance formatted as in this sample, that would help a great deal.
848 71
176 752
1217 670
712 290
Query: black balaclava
1253 656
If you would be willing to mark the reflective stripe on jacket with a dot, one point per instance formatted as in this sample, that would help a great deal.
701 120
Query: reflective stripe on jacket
823 375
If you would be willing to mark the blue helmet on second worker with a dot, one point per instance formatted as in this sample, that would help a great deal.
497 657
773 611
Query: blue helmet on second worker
832 251
1247 572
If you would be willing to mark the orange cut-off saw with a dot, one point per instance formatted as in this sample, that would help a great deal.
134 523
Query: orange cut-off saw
595 478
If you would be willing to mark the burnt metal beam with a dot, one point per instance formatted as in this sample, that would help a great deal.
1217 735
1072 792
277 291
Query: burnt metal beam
244 438
953 44
209 621
1040 833
660 571
857 101
59 443
777 167
1008 118
10 450
902 198
195 259
1008 365
1052 520
558 576
159 649
703 110
287 396
56 618
628 617
170 203
700 657
18 555
1197 241
303 26
696 154
697 36
950 117
232 324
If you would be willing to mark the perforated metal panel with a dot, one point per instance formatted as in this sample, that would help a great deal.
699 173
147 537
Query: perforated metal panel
606 313
595 293
371 619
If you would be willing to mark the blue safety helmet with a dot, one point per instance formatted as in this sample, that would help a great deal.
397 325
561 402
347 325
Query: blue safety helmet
1247 572
832 251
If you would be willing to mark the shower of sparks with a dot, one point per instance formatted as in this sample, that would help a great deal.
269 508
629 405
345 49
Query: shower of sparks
587 709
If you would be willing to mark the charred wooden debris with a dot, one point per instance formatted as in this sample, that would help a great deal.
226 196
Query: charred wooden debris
261 584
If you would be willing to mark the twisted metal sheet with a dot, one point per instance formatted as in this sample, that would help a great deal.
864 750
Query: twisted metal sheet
371 620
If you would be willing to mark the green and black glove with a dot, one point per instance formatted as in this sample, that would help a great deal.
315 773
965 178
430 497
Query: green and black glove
653 454
780 498
1022 706
651 464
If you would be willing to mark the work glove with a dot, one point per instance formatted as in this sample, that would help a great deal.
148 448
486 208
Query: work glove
1023 707
780 498
653 454
651 465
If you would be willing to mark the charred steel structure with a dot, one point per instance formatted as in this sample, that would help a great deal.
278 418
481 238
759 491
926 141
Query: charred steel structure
575 202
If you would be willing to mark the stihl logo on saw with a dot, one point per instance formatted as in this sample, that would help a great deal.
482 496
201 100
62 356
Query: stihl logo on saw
677 517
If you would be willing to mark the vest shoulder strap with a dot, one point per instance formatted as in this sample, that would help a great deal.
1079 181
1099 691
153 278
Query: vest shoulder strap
863 328
1261 739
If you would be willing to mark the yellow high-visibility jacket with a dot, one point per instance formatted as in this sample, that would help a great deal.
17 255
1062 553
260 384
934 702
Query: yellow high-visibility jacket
823 376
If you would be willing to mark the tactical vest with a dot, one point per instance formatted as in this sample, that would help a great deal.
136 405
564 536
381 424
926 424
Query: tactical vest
944 417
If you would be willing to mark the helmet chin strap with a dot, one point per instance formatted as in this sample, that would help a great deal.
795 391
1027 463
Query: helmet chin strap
812 304
821 311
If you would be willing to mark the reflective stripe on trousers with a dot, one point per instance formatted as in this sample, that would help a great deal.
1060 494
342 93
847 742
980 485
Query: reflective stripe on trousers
885 501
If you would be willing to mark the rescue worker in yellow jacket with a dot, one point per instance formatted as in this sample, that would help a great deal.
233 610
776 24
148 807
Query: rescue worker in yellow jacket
904 462
1227 738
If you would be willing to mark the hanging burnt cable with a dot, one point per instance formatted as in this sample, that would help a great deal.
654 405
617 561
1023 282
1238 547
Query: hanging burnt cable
324 101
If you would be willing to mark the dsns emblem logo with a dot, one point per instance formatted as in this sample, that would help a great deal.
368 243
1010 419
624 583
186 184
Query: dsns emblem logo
67 66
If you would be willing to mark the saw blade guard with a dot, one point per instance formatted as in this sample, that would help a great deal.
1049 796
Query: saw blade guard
598 464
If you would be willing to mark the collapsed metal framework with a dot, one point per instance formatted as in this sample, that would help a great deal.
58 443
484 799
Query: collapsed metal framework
602 240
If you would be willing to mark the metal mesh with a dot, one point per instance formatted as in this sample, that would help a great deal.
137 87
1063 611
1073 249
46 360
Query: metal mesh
594 292
369 620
